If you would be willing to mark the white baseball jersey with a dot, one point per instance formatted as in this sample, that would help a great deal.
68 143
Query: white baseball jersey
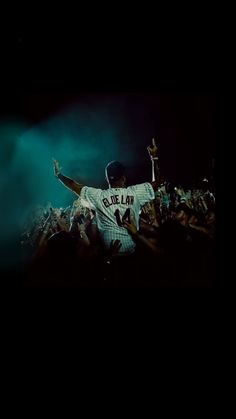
114 205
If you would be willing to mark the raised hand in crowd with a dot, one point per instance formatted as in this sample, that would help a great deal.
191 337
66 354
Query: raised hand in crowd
131 226
150 216
145 242
115 247
82 233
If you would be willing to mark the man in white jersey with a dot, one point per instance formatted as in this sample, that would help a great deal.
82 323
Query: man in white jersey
113 205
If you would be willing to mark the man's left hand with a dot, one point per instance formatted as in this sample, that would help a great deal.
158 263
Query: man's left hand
152 149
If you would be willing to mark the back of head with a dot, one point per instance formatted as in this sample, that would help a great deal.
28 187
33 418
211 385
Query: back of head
114 171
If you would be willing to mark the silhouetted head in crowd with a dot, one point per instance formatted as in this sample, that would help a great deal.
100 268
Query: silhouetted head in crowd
170 188
183 214
194 217
204 184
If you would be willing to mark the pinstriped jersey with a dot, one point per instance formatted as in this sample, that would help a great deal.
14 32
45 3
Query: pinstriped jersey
114 205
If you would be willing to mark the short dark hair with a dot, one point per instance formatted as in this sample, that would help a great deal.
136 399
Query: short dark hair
114 171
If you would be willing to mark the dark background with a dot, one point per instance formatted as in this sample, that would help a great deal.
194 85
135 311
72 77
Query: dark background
157 92
168 92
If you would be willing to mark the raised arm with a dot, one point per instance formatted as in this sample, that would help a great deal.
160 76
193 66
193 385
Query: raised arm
69 183
133 231
152 151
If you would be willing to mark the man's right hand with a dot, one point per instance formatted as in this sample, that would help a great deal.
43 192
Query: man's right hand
56 167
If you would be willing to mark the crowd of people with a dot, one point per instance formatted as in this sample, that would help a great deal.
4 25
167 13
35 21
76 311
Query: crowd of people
174 238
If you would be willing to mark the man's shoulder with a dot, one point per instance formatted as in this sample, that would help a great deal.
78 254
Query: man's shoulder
143 190
140 185
90 194
91 189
